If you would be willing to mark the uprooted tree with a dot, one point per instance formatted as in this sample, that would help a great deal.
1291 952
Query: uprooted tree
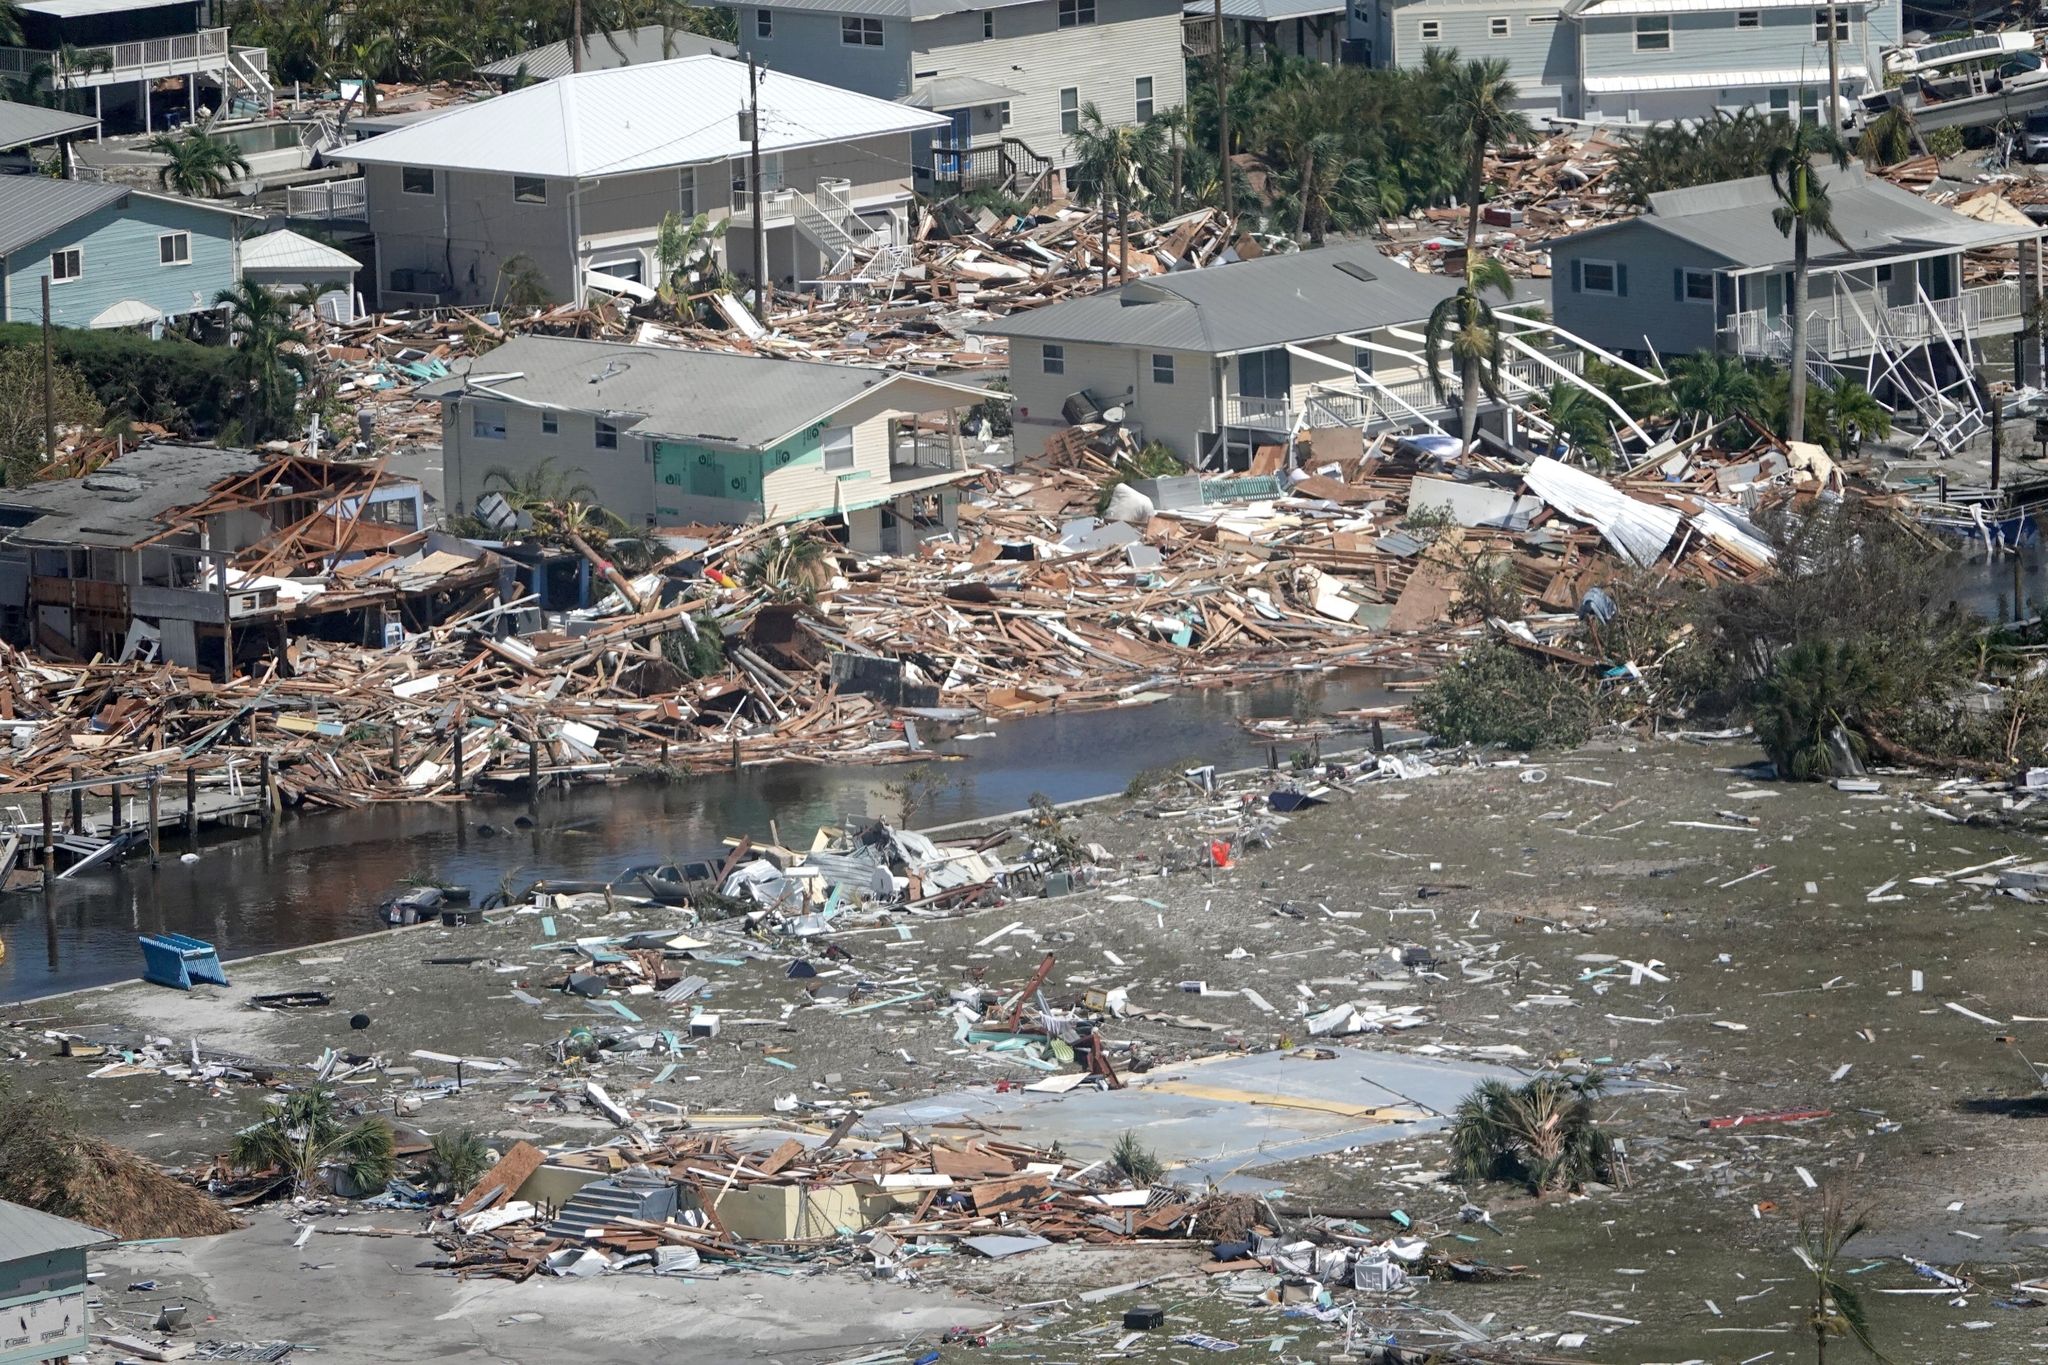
1542 1134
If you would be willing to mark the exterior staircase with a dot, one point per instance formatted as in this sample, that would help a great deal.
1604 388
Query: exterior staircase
828 222
630 1194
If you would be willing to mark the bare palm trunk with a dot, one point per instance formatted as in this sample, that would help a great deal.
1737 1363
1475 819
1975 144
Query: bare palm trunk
1795 405
1177 188
576 36
1468 398
1308 172
1475 181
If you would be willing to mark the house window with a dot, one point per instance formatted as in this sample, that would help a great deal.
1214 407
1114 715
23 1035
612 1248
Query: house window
487 422
686 194
529 189
1162 369
988 23
860 32
1497 26
1653 33
1598 277
764 23
174 248
837 443
1265 374
1820 24
416 179
550 423
1361 359
1749 18
1431 30
1074 13
1696 286
1070 110
607 437
1781 102
1144 109
1003 113
1884 274
66 265
1053 358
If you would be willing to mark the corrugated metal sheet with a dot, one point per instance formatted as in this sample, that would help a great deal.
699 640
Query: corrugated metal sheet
33 206
22 124
636 118
27 1232
1265 11
1637 531
287 250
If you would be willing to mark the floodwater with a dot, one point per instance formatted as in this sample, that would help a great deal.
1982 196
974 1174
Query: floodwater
318 878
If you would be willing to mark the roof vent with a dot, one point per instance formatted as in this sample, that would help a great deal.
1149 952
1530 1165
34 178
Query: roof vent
1356 271
107 481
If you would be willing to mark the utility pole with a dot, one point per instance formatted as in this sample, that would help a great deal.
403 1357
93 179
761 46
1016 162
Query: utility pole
753 131
1223 121
49 387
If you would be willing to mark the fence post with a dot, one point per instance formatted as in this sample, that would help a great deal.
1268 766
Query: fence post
49 834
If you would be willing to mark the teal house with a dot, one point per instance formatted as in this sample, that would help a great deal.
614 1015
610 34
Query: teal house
44 1314
115 256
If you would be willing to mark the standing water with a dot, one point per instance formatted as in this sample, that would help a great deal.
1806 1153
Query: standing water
318 877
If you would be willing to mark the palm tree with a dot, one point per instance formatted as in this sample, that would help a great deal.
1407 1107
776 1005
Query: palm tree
1716 386
1329 191
1110 164
1579 423
1478 112
1541 1133
1809 702
1803 208
366 58
10 23
1825 1231
456 1160
540 487
1844 413
1465 324
308 1134
202 165
1672 156
271 366
521 283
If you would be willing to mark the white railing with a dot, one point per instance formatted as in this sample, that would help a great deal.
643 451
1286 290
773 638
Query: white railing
1348 403
124 61
343 199
1835 329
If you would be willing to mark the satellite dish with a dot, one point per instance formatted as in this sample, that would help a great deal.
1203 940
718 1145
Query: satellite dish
1113 414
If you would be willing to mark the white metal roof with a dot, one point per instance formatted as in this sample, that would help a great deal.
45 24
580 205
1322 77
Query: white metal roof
127 313
1601 9
82 9
636 118
1730 80
287 250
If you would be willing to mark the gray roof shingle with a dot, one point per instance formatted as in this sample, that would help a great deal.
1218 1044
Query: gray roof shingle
27 1232
1246 306
750 402
1732 220
123 502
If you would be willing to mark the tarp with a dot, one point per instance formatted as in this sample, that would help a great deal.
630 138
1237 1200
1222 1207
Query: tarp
1637 531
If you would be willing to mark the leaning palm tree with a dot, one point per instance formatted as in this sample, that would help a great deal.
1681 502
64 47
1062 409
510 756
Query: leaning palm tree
541 487
1541 1133
1579 423
1803 208
1465 325
1716 386
271 365
1478 112
1113 164
1825 1231
309 1136
202 164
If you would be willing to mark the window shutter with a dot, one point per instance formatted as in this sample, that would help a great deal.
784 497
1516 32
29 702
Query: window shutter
1575 274
1621 279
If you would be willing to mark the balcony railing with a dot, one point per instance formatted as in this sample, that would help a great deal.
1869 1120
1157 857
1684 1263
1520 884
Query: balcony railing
330 200
123 61
1347 403
1836 329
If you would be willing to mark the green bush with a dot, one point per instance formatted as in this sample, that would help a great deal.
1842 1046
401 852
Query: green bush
175 383
1495 695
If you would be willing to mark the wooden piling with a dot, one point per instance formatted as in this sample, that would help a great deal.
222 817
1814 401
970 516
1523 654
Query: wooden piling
49 834
155 828
77 801
192 803
533 764
457 737
263 784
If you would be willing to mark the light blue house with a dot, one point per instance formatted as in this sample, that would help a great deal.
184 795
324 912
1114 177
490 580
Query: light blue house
44 1313
1631 62
115 257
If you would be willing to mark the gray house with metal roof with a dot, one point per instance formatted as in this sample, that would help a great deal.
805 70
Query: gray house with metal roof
1010 76
1706 269
43 1285
669 437
1214 363
1315 29
114 256
1643 61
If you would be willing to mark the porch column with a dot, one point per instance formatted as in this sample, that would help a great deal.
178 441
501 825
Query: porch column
99 133
144 83
959 459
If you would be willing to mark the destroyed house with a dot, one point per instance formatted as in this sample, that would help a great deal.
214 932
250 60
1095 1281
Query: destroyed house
194 554
114 256
1214 363
669 437
1008 78
568 182
1643 61
1707 269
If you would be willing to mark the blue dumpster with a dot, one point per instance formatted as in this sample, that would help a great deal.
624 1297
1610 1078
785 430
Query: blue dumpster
178 960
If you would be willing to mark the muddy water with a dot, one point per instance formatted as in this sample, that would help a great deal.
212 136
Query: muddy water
317 878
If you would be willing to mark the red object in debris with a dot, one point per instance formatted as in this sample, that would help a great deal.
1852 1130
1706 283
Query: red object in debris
1219 852
1781 1116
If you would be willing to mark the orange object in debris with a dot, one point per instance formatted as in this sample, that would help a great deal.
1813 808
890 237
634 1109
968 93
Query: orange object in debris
1219 852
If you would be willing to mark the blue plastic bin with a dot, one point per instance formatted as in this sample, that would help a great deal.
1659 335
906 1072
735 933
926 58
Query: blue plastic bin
178 960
